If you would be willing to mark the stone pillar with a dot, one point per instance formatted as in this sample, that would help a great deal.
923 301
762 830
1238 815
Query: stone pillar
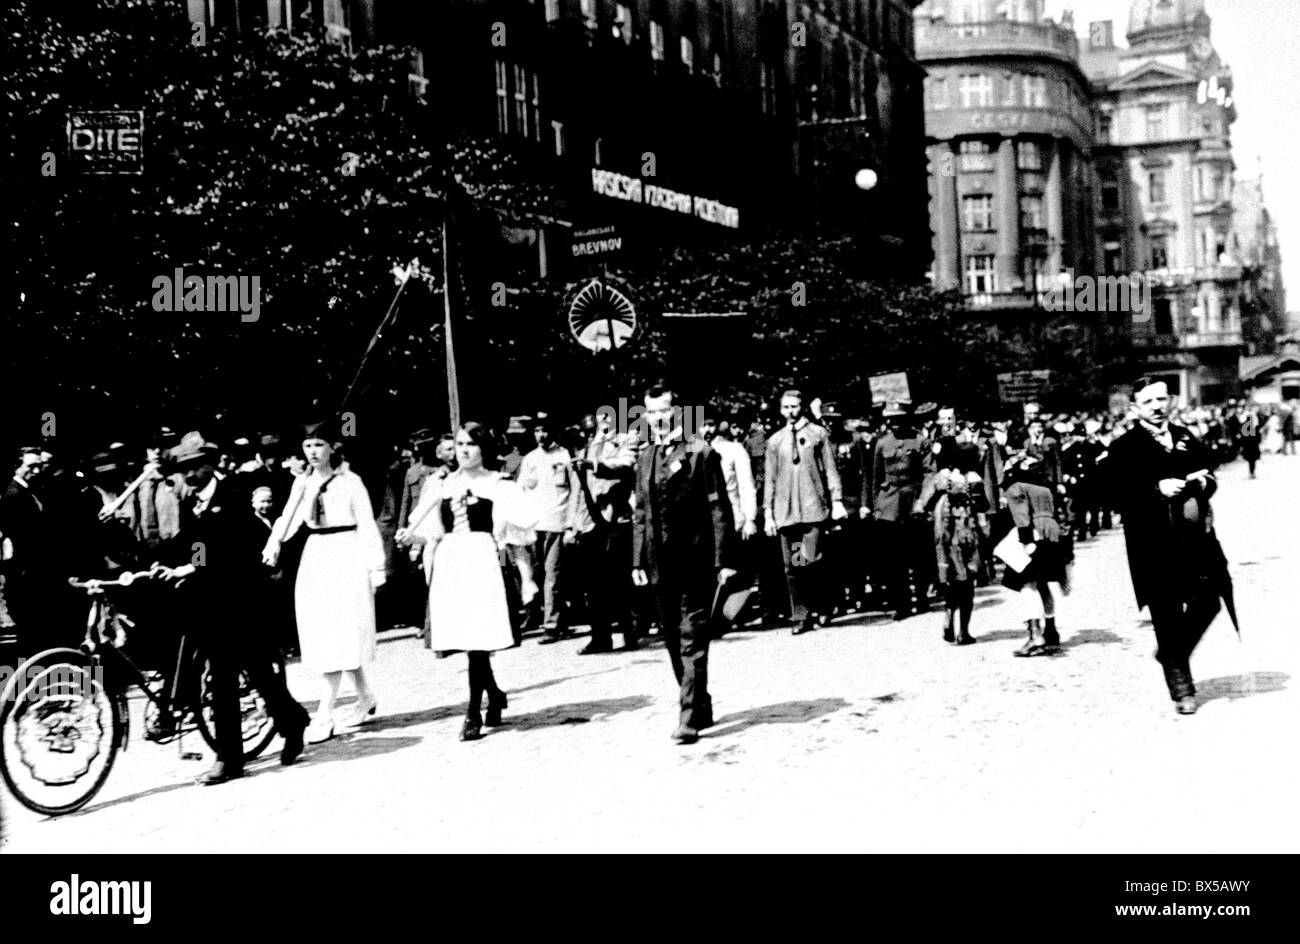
1006 202
946 216
1053 208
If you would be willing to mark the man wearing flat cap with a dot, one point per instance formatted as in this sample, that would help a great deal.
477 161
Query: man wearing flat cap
221 574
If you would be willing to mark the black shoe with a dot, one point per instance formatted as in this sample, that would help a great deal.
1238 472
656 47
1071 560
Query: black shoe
292 746
1186 705
495 706
965 639
471 732
555 637
803 626
220 773
596 648
685 734
1050 636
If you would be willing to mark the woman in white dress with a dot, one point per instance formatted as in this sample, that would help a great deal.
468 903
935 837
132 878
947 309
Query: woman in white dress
342 565
464 519
1273 439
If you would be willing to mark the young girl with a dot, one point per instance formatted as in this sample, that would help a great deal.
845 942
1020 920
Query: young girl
958 529
1034 511
466 517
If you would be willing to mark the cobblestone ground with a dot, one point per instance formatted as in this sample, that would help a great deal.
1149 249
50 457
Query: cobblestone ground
868 735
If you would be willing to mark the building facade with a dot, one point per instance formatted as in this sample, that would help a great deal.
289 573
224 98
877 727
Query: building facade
678 121
1010 136
1255 245
1165 168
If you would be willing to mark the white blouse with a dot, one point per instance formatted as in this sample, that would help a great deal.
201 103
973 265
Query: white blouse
345 502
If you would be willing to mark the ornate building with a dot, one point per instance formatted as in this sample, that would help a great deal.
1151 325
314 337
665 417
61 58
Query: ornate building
1165 167
1010 135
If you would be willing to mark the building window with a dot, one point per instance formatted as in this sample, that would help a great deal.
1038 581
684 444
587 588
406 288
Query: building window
1009 89
938 88
1109 191
1159 252
981 279
1113 260
688 54
970 16
557 128
1104 125
1029 156
767 88
1156 186
1035 91
1155 115
535 107
974 156
976 91
1031 212
552 10
503 108
977 211
656 41
717 69
521 101
623 27
1162 310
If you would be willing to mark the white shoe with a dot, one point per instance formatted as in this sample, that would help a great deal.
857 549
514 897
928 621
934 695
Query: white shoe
318 732
362 712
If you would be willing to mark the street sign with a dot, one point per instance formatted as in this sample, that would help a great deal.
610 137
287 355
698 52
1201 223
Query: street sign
890 388
595 243
1020 386
601 315
107 142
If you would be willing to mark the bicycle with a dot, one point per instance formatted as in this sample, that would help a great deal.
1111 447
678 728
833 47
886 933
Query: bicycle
64 714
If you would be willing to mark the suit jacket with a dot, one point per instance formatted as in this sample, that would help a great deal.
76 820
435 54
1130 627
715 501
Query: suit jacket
410 496
1048 452
1167 550
23 522
898 471
226 582
682 529
800 492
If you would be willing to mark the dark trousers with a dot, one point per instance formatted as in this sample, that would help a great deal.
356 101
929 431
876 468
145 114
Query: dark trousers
232 645
600 579
1179 625
801 552
547 554
762 557
906 550
1084 505
848 561
683 615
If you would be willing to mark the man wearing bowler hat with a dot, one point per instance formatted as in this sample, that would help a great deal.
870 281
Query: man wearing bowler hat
219 571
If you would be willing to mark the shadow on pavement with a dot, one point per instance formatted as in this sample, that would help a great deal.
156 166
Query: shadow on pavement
579 712
998 635
788 712
1241 686
350 747
1088 637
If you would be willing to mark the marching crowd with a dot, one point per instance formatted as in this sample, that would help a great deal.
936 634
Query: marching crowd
693 523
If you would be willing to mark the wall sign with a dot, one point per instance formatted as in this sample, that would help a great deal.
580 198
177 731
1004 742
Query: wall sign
607 183
107 142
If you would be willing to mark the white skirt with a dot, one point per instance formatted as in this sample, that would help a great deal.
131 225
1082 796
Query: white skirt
335 604
468 611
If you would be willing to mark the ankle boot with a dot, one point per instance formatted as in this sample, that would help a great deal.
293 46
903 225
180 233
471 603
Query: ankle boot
472 729
1050 636
1034 644
947 626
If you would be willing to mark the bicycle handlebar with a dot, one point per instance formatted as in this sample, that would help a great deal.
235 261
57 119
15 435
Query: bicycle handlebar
124 580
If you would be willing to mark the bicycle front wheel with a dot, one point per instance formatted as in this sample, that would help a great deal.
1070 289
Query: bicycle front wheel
60 730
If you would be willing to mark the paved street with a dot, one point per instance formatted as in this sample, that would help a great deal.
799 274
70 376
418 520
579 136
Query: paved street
866 736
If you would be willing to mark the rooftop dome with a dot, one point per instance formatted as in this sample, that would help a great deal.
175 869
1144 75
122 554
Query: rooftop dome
1148 16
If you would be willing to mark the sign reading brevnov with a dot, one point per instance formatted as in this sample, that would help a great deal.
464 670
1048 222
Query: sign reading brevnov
107 142
597 242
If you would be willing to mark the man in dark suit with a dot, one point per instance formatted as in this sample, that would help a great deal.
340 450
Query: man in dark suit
682 547
1159 478
26 558
213 557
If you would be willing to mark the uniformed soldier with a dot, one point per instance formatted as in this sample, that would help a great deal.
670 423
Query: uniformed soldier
1078 462
898 471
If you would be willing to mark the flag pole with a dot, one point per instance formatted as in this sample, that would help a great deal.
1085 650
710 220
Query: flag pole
453 387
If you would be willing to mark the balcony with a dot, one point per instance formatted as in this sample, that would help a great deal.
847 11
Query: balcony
936 39
1231 338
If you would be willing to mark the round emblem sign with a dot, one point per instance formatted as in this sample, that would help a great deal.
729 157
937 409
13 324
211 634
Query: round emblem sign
601 316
